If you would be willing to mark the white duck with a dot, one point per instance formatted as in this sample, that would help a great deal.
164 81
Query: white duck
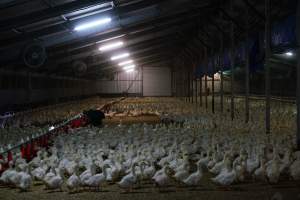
25 180
204 159
227 176
149 170
194 178
55 182
39 172
273 169
129 180
73 182
183 173
260 173
84 176
96 180
216 169
252 164
7 174
285 162
295 167
163 179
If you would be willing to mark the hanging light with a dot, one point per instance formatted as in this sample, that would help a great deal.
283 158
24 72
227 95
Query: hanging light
111 46
289 54
129 67
129 70
120 56
125 62
92 24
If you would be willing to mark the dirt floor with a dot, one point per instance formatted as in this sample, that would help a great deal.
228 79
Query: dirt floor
248 191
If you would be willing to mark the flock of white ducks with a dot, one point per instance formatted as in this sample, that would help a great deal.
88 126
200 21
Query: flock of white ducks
130 156
205 145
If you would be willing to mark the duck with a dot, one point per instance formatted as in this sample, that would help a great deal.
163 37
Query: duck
73 183
194 178
14 177
55 182
39 172
286 162
273 169
96 180
241 170
227 176
148 169
49 175
216 169
163 179
128 181
7 174
25 180
260 174
84 176
182 173
204 158
252 164
295 168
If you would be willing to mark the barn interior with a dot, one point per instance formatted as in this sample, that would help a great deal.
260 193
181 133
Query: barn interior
166 99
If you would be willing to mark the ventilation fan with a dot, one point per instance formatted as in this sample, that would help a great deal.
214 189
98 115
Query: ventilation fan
79 67
34 55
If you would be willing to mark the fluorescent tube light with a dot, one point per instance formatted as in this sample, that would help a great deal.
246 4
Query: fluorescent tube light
125 62
129 67
120 56
111 46
92 24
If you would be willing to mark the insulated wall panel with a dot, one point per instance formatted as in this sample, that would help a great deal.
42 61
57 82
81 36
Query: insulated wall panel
157 81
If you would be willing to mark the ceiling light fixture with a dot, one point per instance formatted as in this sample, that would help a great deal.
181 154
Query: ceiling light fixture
289 54
120 56
129 70
125 62
92 24
129 67
111 46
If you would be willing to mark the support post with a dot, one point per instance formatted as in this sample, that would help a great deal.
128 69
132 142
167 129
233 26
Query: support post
213 89
232 63
205 79
247 71
200 91
221 75
298 97
298 78
196 90
189 87
267 66
192 86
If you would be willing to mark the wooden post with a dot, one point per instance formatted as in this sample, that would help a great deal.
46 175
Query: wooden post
267 65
